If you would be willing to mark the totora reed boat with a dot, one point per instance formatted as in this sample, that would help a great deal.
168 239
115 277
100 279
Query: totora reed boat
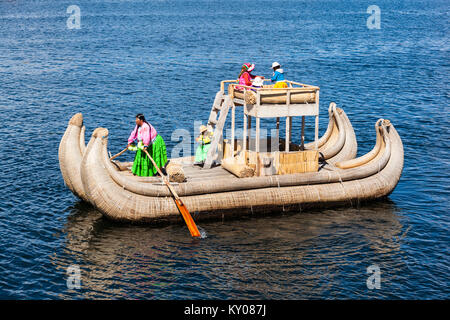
323 173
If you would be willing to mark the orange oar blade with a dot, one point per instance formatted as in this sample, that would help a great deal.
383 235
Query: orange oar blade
187 218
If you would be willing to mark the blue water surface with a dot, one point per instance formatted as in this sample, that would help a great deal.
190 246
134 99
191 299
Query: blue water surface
166 59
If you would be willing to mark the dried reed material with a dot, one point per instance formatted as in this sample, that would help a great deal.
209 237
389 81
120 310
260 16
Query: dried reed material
175 172
119 204
70 156
346 164
238 168
120 197
135 184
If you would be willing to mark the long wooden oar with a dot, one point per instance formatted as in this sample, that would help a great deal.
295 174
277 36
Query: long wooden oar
115 156
180 205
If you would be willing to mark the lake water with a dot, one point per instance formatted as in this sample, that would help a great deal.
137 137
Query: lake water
166 59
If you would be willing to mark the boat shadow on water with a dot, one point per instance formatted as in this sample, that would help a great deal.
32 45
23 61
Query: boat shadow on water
138 260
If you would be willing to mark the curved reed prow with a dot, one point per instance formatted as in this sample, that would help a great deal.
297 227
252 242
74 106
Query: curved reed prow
70 154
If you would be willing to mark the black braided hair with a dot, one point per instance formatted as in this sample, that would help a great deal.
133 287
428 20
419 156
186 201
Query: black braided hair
141 116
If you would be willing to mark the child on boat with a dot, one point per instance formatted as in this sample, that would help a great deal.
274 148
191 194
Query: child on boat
205 142
278 76
145 137
258 82
245 77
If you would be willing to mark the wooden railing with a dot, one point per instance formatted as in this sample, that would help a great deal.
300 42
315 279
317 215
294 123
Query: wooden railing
292 85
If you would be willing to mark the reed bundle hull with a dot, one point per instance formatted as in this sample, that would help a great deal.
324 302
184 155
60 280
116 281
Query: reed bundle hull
343 180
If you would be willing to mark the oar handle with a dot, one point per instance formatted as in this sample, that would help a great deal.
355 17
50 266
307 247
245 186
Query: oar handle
180 205
121 152
171 189
162 175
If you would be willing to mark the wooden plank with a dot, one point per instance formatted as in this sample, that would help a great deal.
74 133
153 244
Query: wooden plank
215 108
218 133
238 102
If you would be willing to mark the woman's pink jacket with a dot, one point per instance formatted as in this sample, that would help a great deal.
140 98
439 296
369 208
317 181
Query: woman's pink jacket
148 134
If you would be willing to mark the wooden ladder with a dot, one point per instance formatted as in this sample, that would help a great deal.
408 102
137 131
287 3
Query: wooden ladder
217 118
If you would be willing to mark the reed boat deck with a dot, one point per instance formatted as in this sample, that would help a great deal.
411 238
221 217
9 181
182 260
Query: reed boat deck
193 173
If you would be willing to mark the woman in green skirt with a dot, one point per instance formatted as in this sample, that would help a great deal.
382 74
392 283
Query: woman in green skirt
145 137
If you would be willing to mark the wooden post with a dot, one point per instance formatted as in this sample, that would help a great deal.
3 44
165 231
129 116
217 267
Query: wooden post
257 134
258 138
249 131
278 133
244 140
233 115
257 145
302 147
288 121
288 137
244 135
290 129
316 134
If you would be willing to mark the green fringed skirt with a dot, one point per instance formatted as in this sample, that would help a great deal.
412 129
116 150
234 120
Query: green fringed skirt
201 153
142 166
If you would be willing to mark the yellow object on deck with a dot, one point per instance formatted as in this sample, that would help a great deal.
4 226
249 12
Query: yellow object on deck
280 84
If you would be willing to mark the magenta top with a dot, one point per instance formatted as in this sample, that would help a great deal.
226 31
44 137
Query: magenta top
246 80
146 133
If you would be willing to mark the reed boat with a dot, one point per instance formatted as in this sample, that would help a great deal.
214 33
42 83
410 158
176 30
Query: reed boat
214 191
